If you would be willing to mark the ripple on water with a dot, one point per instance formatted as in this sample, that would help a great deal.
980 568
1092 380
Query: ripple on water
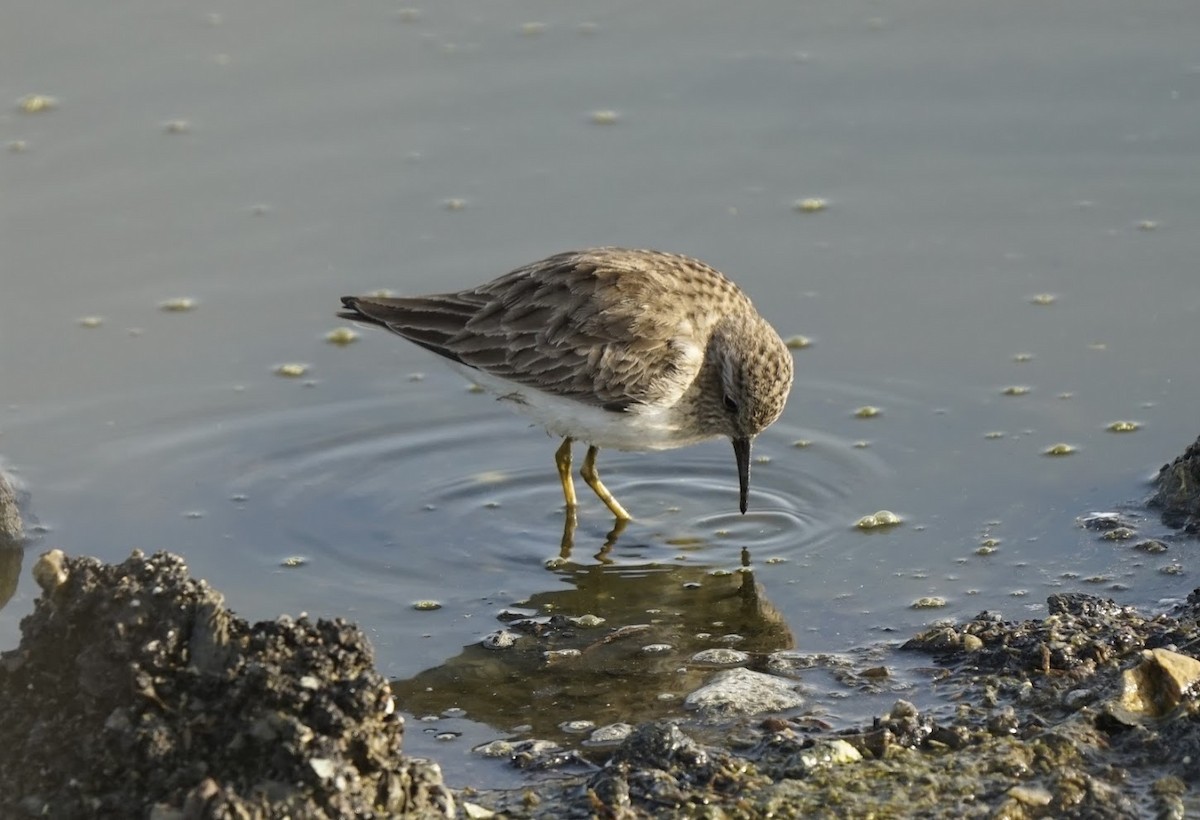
393 498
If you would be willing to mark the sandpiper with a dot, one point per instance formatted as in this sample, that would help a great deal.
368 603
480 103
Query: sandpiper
630 349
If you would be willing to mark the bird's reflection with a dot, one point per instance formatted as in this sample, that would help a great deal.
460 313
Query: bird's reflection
615 645
571 524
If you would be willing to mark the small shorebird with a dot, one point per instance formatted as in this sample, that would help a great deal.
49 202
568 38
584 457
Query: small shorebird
631 349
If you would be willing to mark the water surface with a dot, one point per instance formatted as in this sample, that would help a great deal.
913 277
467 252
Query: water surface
265 159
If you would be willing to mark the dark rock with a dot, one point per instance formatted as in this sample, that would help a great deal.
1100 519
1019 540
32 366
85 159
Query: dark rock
134 689
1177 491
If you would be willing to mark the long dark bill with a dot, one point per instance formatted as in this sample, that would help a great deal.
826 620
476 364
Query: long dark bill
741 450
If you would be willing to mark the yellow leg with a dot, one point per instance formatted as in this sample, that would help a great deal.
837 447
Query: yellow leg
588 471
562 458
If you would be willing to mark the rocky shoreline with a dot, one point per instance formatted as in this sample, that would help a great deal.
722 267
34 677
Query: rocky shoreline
136 692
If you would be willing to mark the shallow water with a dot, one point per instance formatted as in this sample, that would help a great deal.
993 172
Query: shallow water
265 160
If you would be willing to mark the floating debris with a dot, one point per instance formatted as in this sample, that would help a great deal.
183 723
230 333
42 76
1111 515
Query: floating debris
341 336
36 103
883 518
929 602
605 117
490 477
1022 358
293 561
533 29
91 321
426 606
1043 298
798 342
177 127
1147 225
454 204
180 304
293 370
810 205
1059 449
1016 390
867 412
1123 427
802 443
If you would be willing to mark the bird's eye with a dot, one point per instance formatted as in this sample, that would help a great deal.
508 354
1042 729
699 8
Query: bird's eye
730 404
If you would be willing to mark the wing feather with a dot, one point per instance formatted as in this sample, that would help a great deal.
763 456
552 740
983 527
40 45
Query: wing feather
576 325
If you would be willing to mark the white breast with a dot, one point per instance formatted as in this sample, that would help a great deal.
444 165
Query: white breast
640 428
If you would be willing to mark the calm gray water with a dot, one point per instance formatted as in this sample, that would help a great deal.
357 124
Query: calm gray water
263 159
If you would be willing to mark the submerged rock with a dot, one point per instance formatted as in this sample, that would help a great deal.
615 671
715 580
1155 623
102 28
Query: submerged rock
743 692
135 692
